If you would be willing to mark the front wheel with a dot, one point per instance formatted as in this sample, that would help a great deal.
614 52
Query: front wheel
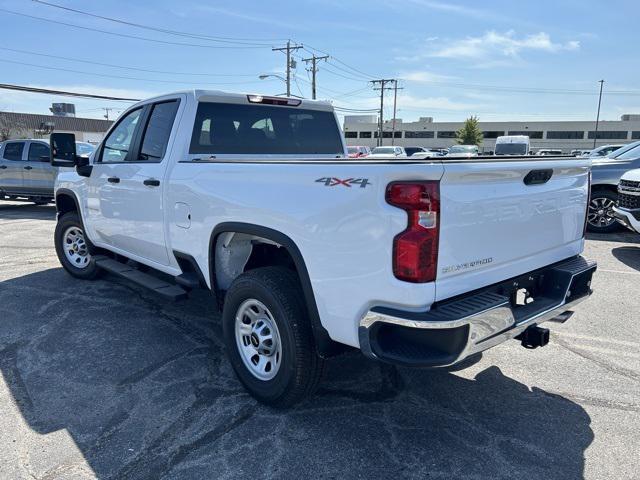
72 247
268 337
600 218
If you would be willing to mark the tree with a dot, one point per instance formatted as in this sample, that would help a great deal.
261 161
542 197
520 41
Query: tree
470 133
10 130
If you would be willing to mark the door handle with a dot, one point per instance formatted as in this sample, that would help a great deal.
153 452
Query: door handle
151 182
28 167
113 180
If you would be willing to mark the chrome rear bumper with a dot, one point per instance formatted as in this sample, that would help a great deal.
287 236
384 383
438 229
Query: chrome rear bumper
456 329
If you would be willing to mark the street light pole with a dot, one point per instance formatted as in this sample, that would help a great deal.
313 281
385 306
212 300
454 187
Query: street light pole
595 136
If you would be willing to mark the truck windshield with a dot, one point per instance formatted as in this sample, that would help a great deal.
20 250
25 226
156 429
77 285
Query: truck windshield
263 129
511 149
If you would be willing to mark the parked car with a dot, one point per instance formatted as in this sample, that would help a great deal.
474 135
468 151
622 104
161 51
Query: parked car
606 173
85 149
25 171
414 263
440 151
580 153
463 151
546 152
426 154
604 150
411 150
385 152
627 211
512 145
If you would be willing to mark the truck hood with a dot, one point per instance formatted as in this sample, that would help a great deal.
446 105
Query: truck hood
632 175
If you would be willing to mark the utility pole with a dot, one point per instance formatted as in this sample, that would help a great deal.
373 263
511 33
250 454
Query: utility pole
289 48
395 99
106 112
314 69
382 82
595 137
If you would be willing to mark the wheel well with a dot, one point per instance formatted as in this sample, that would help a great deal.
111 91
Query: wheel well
65 203
237 247
607 187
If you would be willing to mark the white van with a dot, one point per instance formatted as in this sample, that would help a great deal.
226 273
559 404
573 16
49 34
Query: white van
512 145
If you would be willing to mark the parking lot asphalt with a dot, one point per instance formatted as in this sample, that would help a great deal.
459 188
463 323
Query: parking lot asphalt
104 380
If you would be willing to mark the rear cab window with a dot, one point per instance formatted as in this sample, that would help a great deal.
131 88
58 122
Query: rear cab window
239 129
13 151
38 151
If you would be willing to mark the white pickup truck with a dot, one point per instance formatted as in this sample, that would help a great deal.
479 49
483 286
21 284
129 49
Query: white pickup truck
415 262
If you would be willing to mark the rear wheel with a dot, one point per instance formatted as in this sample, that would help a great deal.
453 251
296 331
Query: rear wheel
268 337
73 249
600 218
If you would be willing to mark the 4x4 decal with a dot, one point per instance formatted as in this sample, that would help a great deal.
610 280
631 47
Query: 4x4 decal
348 182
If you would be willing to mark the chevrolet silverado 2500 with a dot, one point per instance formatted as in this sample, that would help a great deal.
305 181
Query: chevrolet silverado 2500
415 262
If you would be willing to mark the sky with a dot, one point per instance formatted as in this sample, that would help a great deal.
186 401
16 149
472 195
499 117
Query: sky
498 59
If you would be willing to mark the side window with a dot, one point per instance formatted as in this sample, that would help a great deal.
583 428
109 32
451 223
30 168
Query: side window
118 143
37 151
156 135
13 151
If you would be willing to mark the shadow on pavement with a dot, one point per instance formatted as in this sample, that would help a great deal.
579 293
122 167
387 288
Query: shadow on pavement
27 211
144 389
630 256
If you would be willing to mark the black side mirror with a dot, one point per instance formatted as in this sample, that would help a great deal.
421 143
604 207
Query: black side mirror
63 149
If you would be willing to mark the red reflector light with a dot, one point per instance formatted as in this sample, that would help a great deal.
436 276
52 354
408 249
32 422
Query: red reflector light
415 250
291 102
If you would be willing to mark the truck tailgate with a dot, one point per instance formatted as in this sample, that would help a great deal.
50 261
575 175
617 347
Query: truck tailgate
499 220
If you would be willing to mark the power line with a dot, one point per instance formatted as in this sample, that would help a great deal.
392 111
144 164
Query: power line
134 37
63 93
152 80
124 67
360 72
244 41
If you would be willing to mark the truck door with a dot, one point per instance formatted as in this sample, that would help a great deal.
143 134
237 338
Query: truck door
40 178
125 201
12 168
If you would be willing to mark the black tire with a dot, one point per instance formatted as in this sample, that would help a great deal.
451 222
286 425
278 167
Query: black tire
596 226
301 367
66 221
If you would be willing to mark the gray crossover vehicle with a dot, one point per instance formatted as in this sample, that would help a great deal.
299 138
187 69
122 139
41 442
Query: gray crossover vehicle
25 171
606 173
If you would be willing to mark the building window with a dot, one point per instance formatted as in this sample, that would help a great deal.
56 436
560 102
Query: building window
635 135
611 135
526 132
365 134
559 135
388 134
350 134
420 134
446 134
494 134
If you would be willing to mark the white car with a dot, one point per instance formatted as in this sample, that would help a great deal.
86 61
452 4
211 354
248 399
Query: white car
627 211
418 262
463 151
512 145
386 152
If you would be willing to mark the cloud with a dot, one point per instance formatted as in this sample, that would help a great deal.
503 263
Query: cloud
495 46
425 77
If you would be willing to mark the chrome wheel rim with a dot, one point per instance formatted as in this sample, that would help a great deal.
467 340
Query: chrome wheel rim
601 212
258 339
75 247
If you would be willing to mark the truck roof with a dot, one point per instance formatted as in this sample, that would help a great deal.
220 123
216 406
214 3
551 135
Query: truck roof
243 98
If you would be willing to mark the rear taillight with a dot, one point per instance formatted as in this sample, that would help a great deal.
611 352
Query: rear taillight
415 250
586 214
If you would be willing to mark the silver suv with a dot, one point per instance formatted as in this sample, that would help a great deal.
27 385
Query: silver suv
25 172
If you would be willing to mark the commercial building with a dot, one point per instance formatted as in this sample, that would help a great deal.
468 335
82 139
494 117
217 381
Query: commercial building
29 125
561 135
